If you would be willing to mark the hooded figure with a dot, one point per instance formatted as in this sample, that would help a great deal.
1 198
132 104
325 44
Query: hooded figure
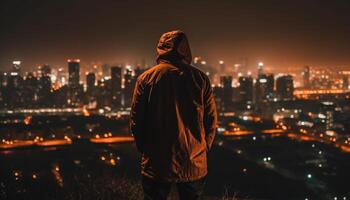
173 115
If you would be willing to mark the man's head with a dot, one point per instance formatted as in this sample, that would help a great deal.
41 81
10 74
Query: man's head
173 46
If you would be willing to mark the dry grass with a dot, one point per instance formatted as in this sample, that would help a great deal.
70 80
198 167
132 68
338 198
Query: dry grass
103 187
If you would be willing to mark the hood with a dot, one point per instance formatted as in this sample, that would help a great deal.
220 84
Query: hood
173 47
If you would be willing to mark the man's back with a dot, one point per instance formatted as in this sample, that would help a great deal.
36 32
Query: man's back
173 115
173 138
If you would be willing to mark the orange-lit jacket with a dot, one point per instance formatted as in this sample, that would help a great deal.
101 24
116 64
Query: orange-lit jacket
173 114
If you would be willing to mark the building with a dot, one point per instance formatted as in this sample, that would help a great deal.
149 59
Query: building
16 67
75 90
285 87
14 97
128 88
30 91
260 68
306 76
73 72
327 109
90 82
246 88
90 95
61 76
44 91
227 91
116 85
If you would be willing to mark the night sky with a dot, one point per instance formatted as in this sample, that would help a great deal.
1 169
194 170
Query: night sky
280 33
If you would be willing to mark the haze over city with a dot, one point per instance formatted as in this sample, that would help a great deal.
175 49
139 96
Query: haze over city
256 102
281 33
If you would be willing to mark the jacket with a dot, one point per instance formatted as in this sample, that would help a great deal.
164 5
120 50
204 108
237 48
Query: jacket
173 114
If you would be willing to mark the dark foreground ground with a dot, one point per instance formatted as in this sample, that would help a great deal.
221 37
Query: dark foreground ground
263 167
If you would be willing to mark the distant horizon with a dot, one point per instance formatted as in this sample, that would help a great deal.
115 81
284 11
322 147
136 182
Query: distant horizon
252 65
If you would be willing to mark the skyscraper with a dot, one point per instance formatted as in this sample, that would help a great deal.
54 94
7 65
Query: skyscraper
90 82
16 67
75 89
246 88
285 87
226 82
261 89
61 76
73 72
260 68
116 81
306 76
31 89
44 88
270 84
127 86
116 77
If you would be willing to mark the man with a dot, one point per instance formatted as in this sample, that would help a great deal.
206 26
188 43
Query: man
173 120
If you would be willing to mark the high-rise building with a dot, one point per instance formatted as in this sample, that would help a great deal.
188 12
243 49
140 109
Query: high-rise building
73 72
14 87
306 76
90 89
263 87
90 82
327 109
264 90
30 91
16 67
285 87
246 88
128 89
116 77
44 89
61 76
270 84
260 68
116 81
75 90
227 91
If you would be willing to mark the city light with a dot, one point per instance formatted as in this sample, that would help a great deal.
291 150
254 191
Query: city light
16 62
92 100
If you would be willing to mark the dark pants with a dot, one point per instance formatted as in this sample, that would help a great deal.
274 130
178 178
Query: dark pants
154 190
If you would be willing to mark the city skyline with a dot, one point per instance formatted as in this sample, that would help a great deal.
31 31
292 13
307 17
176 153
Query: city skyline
282 34
251 96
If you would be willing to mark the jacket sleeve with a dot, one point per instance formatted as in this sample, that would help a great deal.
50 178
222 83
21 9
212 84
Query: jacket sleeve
137 114
210 114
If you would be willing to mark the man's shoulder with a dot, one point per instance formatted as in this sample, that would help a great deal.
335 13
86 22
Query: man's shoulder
153 72
148 72
162 68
